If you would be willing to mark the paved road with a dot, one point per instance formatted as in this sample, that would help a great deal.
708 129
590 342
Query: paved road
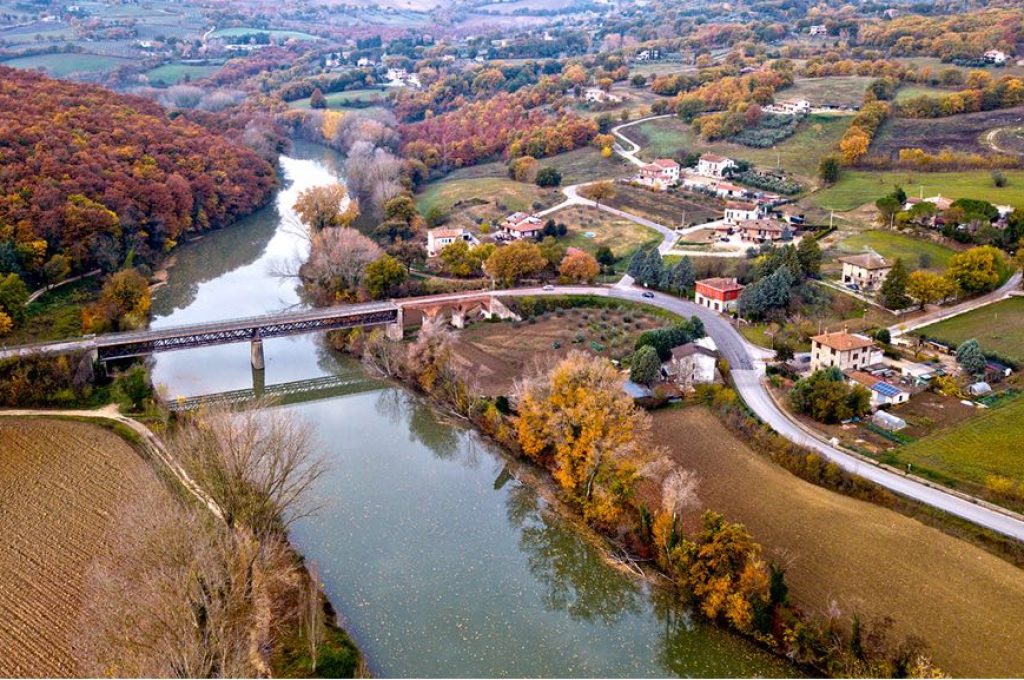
943 313
630 151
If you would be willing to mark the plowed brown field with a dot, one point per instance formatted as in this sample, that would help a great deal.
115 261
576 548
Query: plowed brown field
65 489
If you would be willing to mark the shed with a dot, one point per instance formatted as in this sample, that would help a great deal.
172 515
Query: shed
888 421
980 389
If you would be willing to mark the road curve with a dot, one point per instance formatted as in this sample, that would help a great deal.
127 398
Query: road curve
943 313
747 372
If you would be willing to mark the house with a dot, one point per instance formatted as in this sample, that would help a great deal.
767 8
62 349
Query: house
519 225
882 393
438 239
596 94
793 107
719 293
997 57
664 171
791 213
713 165
891 13
942 204
762 230
691 364
740 211
817 29
846 351
867 270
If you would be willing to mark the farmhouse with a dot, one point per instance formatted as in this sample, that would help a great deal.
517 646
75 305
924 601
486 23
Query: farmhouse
761 230
997 57
740 211
882 392
713 165
846 351
791 107
817 29
867 270
438 238
692 364
719 294
596 94
663 171
519 225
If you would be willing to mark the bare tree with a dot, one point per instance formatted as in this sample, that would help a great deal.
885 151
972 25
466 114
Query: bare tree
312 615
337 262
257 464
679 491
373 173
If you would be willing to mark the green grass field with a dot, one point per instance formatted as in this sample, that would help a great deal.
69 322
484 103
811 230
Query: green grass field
242 30
840 90
891 244
857 187
799 155
998 327
446 192
970 453
341 100
61 65
172 74
914 90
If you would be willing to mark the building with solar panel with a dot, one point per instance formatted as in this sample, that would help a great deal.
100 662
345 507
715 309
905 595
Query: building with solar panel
882 393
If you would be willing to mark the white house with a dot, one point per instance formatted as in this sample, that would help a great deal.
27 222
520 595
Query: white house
997 57
438 238
867 270
663 171
882 393
691 364
713 165
846 351
790 106
739 211
596 94
817 29
520 225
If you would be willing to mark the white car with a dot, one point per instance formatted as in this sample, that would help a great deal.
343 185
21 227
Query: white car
548 287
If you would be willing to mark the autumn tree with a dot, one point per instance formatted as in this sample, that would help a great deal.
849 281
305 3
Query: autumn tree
577 420
383 276
927 287
13 297
515 261
523 169
579 267
461 259
977 270
326 206
317 100
123 304
597 191
337 264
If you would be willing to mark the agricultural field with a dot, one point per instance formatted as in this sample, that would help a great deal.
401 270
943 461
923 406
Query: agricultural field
965 132
69 493
172 74
963 600
590 228
351 99
916 253
799 154
847 91
274 33
665 208
998 327
938 66
857 187
65 64
972 454
498 354
1009 140
484 197
912 90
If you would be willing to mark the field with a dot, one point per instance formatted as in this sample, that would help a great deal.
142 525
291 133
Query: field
56 314
916 253
860 556
856 187
242 30
845 91
62 65
912 90
963 133
341 100
67 489
937 66
661 207
799 155
497 354
1005 140
172 74
998 327
621 235
967 455
496 196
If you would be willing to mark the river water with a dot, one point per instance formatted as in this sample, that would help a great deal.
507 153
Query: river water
439 561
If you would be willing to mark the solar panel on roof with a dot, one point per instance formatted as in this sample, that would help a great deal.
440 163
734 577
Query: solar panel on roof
885 389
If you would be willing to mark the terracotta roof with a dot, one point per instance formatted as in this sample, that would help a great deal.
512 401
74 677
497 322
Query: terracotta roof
690 349
529 224
866 261
713 158
722 284
761 225
865 379
445 232
740 205
842 341
666 163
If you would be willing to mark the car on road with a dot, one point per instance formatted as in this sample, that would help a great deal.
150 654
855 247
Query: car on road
647 294
548 287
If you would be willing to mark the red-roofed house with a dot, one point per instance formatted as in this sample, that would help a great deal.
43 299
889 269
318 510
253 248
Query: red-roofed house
663 171
719 294
713 165
519 225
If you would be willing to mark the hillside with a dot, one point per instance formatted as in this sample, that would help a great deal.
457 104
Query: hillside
96 175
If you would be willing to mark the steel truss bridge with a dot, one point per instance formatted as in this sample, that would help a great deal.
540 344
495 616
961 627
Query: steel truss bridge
281 393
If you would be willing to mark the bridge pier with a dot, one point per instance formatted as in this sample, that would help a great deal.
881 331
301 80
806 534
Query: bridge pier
256 354
396 330
259 382
459 318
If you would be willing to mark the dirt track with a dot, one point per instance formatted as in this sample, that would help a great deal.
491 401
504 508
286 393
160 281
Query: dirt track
964 601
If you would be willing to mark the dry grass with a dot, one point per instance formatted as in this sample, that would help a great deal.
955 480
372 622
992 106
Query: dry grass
65 488
964 601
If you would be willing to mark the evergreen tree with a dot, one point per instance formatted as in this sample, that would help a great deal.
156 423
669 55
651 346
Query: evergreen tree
636 264
683 276
894 288
809 255
646 365
655 268
970 357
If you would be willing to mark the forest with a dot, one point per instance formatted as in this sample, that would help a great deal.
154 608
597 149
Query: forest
95 178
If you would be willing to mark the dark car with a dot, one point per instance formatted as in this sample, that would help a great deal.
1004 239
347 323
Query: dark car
648 294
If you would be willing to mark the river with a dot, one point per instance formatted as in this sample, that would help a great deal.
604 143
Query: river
440 562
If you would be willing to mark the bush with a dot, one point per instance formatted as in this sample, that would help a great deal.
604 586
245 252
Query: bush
780 185
768 132
548 177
